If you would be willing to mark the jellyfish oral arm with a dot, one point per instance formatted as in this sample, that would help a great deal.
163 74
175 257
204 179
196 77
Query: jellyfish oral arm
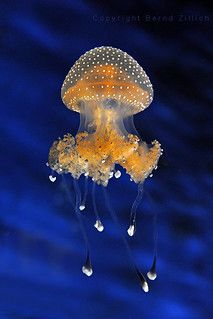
95 154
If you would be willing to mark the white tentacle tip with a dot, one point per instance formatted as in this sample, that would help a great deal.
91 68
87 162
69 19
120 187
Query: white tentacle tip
152 275
52 178
145 286
99 226
87 271
131 230
117 174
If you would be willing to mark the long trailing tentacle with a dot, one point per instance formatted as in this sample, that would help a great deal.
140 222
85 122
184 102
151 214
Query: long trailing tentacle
139 274
98 224
87 267
132 227
152 273
83 201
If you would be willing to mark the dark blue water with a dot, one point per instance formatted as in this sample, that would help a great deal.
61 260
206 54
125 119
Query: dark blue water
41 247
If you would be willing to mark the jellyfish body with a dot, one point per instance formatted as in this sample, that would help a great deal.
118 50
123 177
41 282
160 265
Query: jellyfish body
107 87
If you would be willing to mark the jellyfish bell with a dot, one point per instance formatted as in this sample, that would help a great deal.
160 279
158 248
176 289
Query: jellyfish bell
107 74
106 86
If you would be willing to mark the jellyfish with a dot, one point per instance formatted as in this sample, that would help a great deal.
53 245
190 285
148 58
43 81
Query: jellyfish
107 87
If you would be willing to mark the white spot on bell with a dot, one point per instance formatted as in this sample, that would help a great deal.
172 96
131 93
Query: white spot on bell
82 207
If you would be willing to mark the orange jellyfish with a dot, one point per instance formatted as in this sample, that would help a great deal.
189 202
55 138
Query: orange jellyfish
107 87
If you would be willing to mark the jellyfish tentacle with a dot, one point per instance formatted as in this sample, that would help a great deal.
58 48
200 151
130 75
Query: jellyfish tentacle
152 273
87 267
66 189
77 195
83 202
132 227
52 177
142 279
98 223
139 274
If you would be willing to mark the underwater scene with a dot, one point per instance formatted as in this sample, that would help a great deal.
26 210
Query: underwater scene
106 192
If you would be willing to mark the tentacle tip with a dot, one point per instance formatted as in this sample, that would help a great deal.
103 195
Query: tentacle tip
131 230
87 271
117 174
81 207
152 275
145 286
99 226
52 178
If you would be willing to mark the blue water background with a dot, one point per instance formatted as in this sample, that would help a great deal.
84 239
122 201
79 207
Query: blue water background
41 248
